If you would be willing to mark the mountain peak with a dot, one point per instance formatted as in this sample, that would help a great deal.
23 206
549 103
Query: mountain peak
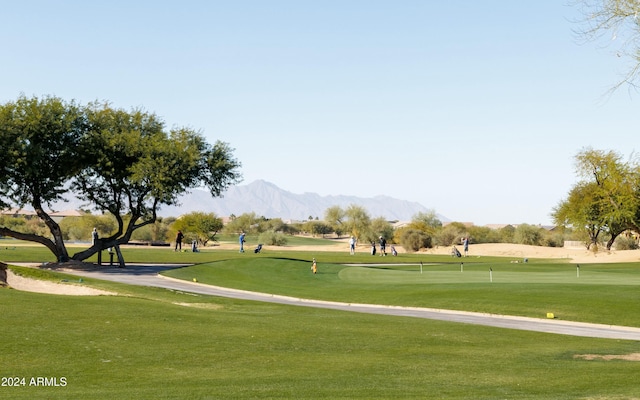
268 200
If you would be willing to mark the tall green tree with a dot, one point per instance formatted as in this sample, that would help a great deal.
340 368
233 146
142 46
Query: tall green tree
247 222
199 226
40 147
607 197
335 217
122 162
381 227
420 231
358 222
134 166
427 222
581 210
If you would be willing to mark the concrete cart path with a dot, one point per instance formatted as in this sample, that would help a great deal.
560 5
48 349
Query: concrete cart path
148 275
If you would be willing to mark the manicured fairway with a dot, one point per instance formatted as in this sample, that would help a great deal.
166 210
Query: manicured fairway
606 293
152 343
480 273
156 344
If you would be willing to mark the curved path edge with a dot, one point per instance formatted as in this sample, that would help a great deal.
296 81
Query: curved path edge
150 276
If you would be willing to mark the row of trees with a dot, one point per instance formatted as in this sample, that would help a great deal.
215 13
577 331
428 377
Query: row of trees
122 163
424 230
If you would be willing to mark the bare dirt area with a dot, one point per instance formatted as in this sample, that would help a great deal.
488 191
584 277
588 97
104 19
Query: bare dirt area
518 252
22 283
39 286
609 357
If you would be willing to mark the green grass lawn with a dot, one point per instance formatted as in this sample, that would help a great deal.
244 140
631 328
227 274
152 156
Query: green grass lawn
147 346
603 293
150 343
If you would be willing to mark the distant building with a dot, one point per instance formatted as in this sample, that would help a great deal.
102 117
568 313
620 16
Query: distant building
17 212
57 216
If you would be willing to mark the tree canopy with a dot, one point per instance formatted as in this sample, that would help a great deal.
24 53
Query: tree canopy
125 163
606 199
199 226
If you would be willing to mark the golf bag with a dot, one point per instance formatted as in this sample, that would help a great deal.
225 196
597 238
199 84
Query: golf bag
455 252
393 251
257 250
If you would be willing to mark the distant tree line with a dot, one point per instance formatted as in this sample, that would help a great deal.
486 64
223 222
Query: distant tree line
424 230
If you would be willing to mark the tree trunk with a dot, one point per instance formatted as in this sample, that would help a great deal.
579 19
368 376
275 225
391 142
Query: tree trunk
610 242
100 245
120 258
614 236
58 241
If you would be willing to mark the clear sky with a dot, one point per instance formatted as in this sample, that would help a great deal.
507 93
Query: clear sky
475 109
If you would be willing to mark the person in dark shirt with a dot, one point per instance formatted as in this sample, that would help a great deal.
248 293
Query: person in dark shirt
383 246
179 238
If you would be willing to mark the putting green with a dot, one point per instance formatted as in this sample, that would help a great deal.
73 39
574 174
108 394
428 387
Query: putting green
433 274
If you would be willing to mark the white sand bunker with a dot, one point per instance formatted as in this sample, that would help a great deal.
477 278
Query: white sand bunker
34 285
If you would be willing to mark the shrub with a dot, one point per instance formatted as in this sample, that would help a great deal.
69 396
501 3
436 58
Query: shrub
553 240
483 234
450 234
414 240
625 243
528 234
272 238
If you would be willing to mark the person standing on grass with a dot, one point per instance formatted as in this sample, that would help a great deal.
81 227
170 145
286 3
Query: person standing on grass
314 267
383 246
465 243
94 236
241 240
179 238
352 245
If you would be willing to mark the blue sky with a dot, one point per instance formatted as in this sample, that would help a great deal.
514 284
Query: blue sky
475 109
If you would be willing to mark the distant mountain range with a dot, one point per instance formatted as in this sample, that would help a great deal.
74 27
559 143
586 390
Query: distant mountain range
268 200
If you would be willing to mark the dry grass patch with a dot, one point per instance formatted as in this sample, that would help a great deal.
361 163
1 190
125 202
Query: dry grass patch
609 357
207 306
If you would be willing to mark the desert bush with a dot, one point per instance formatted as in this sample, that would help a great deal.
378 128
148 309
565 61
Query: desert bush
451 234
318 228
552 239
528 234
272 238
414 240
79 228
506 234
483 234
17 224
625 243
